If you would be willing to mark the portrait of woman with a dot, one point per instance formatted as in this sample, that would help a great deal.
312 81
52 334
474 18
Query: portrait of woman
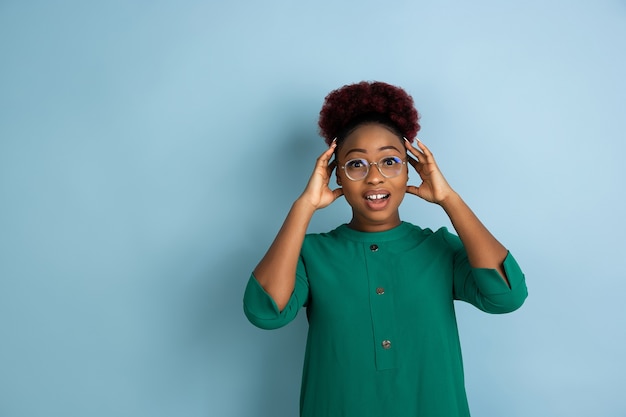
379 291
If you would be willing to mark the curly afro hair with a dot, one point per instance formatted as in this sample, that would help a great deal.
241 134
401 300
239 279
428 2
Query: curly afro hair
352 105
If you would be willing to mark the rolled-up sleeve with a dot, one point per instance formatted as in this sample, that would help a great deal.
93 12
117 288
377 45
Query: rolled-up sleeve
485 288
262 311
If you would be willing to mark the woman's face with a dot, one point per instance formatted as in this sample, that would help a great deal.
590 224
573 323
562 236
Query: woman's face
375 198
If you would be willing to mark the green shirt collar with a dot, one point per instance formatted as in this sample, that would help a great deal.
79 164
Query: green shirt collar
396 233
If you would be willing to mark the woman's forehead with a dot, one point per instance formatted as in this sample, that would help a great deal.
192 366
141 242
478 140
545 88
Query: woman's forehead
371 138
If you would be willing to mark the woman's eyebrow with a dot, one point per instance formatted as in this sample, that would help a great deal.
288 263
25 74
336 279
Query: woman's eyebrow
356 150
384 148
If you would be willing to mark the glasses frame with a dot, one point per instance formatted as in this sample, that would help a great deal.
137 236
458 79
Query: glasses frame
369 164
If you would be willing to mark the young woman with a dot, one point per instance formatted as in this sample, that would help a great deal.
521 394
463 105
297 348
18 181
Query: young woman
378 291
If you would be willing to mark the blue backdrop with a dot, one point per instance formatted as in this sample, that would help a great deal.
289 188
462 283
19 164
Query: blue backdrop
149 151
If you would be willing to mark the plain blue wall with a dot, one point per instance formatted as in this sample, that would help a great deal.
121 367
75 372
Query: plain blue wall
149 152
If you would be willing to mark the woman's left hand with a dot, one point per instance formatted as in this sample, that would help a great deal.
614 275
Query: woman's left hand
434 187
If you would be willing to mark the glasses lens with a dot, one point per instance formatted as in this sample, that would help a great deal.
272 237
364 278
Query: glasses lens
357 169
390 166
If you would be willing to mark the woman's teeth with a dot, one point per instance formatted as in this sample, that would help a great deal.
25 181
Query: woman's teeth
377 196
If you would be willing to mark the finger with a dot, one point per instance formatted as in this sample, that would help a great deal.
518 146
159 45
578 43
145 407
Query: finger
425 151
412 189
328 153
416 152
331 166
414 162
331 149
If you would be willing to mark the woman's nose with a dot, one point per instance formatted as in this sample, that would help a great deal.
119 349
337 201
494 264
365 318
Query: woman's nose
374 176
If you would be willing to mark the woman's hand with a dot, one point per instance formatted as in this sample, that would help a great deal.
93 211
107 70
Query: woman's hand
317 192
434 187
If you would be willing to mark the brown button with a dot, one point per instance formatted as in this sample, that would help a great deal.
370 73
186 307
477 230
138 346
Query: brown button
373 248
380 290
386 344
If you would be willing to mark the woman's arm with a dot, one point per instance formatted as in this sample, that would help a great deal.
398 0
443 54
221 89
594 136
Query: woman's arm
483 250
276 272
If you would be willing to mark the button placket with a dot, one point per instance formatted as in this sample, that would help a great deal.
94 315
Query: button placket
379 272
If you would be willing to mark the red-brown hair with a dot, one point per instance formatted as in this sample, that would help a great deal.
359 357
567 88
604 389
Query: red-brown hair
348 107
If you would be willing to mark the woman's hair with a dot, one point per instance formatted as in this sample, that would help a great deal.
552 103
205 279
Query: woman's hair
352 105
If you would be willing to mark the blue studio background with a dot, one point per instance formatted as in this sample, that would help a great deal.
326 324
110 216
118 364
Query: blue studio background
149 151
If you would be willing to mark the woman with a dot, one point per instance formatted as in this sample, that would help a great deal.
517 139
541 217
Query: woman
379 291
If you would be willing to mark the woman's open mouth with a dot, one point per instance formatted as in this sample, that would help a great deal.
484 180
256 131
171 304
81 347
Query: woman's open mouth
377 200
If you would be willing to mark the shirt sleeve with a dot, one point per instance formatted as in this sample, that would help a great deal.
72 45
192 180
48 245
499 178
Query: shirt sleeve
484 287
261 310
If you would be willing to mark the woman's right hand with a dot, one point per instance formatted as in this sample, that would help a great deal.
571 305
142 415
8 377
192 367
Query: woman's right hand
317 192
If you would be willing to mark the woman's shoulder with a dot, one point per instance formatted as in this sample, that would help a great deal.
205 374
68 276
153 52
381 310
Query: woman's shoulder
328 236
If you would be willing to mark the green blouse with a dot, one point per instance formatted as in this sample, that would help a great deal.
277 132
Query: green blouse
383 339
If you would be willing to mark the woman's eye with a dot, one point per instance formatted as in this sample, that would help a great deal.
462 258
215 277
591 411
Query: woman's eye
357 163
392 160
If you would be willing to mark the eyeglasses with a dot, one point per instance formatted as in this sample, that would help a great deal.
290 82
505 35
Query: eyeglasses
389 167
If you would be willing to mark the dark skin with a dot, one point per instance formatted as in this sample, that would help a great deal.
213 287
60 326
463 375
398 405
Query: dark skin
276 271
